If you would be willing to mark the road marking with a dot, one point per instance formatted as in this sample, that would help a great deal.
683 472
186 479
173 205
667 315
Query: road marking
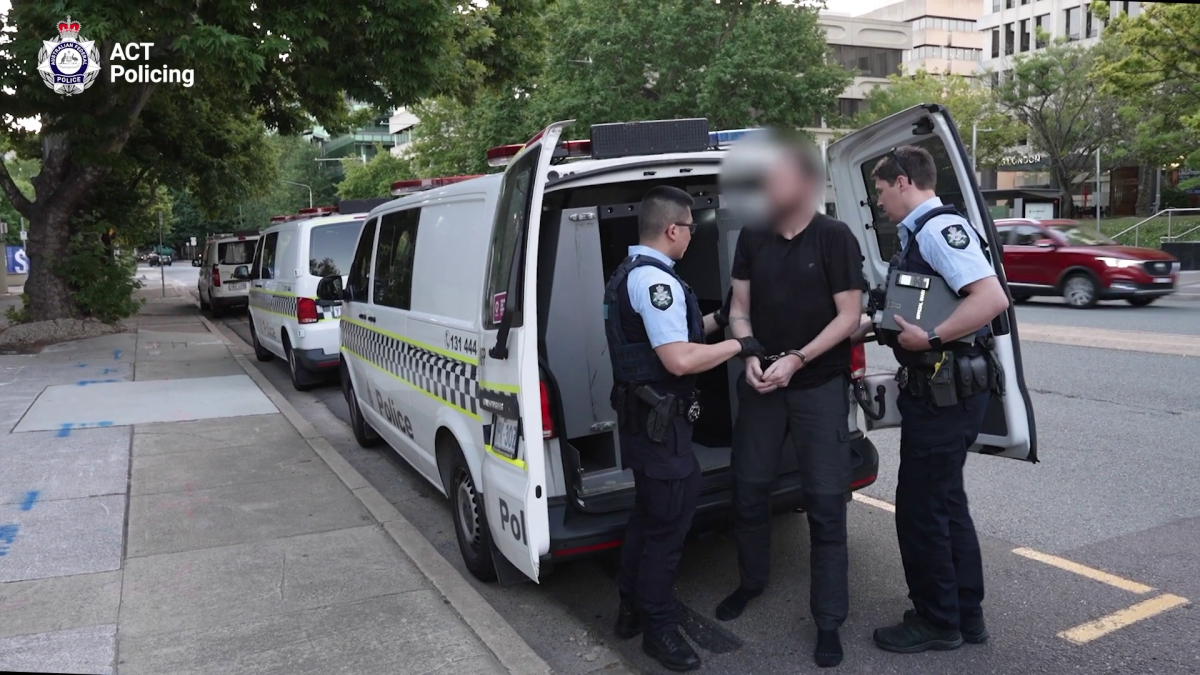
1084 571
1085 633
877 503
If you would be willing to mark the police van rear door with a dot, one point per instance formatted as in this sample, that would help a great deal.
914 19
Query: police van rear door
1008 428
510 406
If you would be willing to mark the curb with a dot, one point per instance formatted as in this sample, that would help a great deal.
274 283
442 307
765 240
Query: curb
509 648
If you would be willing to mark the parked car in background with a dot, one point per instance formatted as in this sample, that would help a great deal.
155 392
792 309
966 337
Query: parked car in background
1069 259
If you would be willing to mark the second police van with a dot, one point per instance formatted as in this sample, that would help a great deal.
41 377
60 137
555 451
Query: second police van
473 338
292 255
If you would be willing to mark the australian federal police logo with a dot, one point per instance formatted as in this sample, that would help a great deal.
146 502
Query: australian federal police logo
68 65
956 237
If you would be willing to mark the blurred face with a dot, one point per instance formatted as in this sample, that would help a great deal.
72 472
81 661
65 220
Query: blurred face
892 198
786 188
679 235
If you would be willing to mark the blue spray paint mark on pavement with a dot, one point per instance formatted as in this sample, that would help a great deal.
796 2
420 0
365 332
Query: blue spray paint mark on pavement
116 354
7 534
65 430
109 370
104 424
87 382
30 498
81 365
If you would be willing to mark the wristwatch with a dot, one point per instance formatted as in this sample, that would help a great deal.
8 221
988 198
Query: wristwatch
935 342
798 354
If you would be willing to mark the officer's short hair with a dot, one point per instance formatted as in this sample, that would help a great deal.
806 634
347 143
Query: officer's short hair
915 164
662 206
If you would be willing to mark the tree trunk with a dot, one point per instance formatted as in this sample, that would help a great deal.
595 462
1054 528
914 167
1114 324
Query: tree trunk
1146 193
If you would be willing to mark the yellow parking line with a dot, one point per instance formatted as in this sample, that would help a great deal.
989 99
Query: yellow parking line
1091 630
1084 571
877 503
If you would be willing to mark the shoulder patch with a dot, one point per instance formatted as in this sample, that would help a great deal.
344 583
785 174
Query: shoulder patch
661 296
956 236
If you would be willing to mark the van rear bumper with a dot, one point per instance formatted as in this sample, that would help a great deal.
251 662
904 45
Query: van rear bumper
575 534
317 359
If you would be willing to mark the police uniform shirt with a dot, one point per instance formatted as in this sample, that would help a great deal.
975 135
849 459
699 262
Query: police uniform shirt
949 244
658 298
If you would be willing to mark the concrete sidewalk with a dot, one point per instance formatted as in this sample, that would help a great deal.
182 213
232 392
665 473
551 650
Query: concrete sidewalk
163 512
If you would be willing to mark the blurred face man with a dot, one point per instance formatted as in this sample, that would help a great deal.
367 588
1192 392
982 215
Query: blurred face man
791 184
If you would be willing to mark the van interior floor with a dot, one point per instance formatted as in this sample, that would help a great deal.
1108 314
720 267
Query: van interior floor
612 479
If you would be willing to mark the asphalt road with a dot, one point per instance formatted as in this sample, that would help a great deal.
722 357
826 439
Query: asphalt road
1116 491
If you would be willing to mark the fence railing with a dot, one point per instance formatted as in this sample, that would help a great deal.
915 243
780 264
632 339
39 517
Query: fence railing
1170 214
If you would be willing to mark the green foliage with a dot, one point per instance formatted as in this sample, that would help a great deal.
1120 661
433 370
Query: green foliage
22 171
969 102
453 138
375 178
1174 198
102 283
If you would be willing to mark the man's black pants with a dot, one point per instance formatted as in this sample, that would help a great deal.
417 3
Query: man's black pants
817 420
938 544
661 517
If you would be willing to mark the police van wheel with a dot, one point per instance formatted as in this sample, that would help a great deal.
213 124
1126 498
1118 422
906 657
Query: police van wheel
363 433
470 523
1080 291
215 309
203 304
301 378
260 352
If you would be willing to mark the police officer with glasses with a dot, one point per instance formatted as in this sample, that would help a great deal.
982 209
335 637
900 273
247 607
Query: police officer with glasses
946 376
655 336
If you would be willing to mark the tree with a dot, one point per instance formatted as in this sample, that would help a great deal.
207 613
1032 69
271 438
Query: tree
453 138
969 102
286 63
1055 93
21 171
375 178
740 63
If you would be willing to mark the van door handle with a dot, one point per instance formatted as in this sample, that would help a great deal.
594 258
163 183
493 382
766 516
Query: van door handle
371 319
363 317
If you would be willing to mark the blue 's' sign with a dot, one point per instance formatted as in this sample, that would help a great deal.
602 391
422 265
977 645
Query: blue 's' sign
18 262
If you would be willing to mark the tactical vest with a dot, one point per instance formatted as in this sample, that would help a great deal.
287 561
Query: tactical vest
633 358
909 259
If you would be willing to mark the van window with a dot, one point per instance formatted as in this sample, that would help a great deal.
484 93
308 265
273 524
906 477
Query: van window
235 252
511 216
331 248
394 258
359 279
268 255
256 266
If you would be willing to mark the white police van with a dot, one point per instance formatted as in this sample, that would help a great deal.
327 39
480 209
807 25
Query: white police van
292 256
224 281
473 336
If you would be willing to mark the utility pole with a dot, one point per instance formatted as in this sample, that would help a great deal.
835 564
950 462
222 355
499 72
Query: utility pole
4 271
1098 191
975 141
310 194
162 274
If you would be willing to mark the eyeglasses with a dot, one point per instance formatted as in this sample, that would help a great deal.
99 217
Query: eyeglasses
691 227
896 158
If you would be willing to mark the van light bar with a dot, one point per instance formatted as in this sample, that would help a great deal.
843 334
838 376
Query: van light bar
317 210
502 155
405 187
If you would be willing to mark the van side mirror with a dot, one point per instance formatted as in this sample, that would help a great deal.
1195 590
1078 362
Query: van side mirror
329 289
241 272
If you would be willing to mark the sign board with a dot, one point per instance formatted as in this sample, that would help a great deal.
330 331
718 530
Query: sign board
193 241
1187 175
24 235
18 262
1039 210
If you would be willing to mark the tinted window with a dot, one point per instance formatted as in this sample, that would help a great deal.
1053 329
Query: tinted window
256 267
1077 236
1004 234
1027 235
359 280
235 252
511 219
331 248
268 255
394 258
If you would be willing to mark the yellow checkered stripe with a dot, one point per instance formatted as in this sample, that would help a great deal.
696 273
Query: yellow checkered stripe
450 380
283 304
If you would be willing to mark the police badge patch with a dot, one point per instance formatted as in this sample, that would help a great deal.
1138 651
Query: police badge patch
661 296
956 236
68 64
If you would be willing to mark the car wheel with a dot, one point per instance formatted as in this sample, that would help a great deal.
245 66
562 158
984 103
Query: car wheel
260 352
203 303
217 310
1020 298
1140 302
363 433
470 520
1080 291
302 380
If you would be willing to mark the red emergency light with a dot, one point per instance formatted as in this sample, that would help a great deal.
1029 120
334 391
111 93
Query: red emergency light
317 211
406 187
501 155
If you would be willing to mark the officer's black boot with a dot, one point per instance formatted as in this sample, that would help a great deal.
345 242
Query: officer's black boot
671 650
974 630
629 621
917 634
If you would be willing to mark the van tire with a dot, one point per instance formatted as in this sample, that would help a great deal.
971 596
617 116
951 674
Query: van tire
203 304
302 380
470 519
260 352
363 433
217 311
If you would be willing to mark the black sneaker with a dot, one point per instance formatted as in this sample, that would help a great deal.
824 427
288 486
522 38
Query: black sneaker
629 622
974 630
671 650
916 634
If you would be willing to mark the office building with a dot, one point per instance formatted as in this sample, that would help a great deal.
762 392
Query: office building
945 37
871 48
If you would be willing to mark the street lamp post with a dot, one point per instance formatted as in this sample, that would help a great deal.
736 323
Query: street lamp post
310 198
975 141
1098 191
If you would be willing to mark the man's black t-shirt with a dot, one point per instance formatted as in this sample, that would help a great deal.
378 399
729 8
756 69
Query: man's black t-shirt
792 284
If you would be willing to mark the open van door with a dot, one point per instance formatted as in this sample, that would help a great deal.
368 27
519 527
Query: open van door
1008 427
514 460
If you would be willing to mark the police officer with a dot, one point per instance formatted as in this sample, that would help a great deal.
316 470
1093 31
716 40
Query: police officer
938 544
655 338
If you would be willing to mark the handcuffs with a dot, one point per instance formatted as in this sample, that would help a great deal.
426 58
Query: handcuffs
791 352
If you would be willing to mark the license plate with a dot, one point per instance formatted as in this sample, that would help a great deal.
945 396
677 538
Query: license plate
237 287
1166 280
336 311
504 436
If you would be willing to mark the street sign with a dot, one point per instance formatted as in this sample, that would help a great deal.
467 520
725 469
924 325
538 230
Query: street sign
24 235
193 241
3 227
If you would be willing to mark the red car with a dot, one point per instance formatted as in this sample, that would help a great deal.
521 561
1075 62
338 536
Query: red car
1067 258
